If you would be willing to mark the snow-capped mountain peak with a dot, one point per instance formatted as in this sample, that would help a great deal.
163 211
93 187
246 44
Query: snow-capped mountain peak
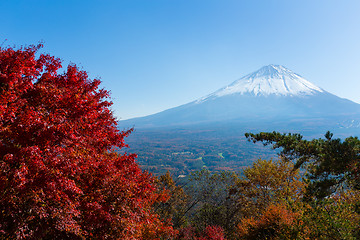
269 98
269 80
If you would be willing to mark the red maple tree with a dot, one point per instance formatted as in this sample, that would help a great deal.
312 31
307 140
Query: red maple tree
59 174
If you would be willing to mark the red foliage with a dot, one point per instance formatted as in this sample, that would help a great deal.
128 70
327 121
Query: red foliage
59 177
213 233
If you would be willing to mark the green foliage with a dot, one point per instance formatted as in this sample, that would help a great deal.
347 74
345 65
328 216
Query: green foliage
329 208
330 163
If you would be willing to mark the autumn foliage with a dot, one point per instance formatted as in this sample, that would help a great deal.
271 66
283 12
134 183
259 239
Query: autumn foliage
275 223
59 175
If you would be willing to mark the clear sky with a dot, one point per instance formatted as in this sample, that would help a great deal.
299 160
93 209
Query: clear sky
157 54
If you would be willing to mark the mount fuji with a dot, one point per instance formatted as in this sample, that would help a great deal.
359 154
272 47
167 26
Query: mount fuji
270 95
209 132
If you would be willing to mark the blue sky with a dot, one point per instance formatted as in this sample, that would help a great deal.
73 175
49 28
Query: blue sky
157 54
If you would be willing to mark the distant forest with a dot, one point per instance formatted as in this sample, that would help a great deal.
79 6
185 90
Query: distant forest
183 152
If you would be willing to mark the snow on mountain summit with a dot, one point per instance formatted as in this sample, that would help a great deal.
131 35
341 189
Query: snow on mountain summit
268 80
271 98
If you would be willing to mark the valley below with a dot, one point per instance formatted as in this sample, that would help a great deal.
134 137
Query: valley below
219 146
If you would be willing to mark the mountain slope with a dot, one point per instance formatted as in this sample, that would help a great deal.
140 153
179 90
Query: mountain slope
270 94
